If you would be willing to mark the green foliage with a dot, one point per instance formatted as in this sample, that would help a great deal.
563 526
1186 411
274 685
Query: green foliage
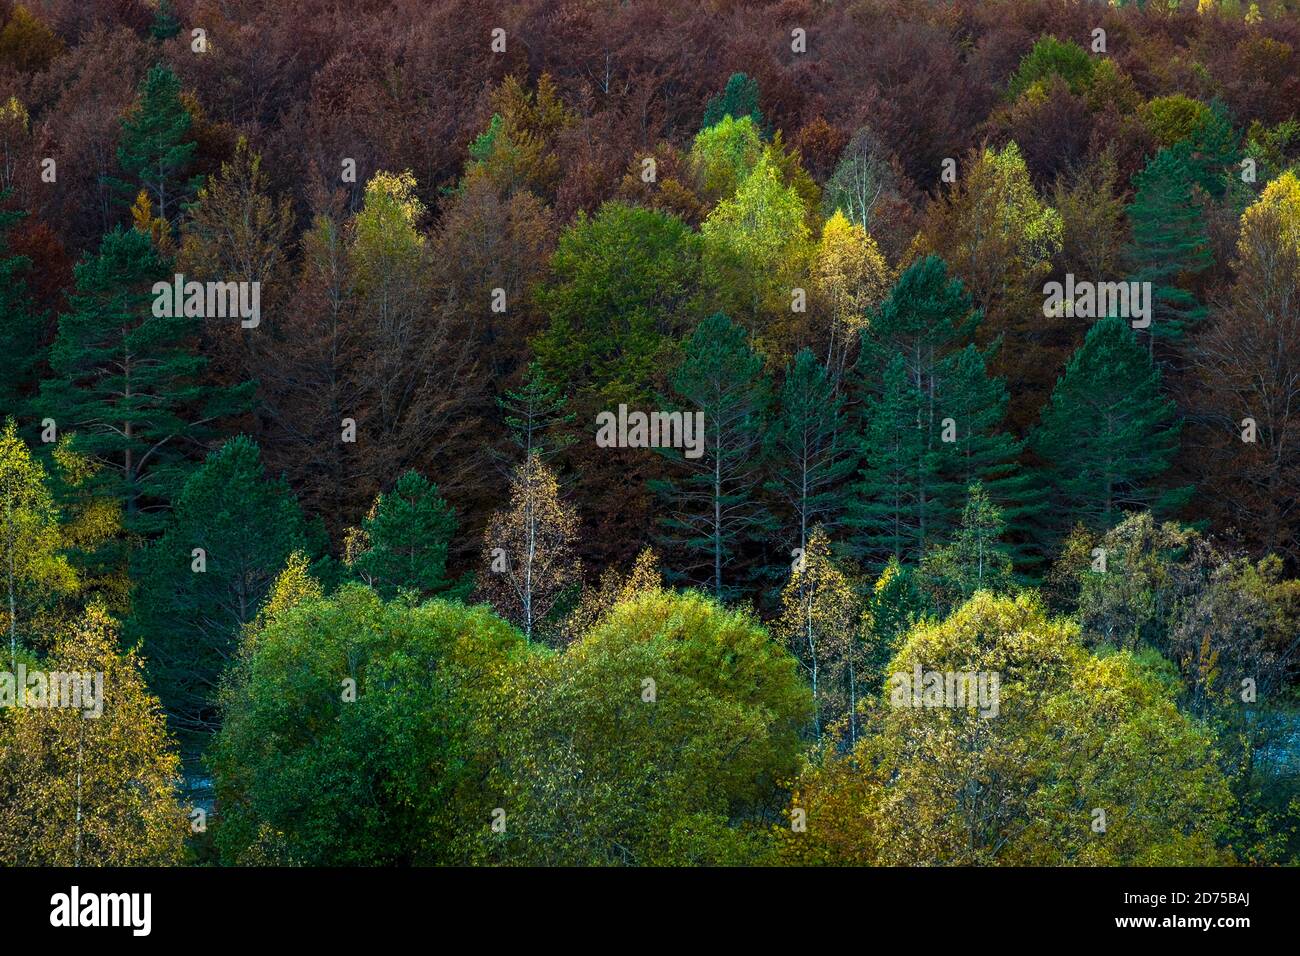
1052 57
190 608
712 509
1107 433
1170 245
625 282
739 99
308 773
1073 734
21 324
155 150
809 450
670 716
127 383
404 542
974 560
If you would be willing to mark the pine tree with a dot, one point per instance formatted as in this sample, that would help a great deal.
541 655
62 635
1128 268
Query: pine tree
155 150
713 511
887 507
738 99
228 537
1170 246
974 405
1106 434
974 560
402 543
909 369
126 381
534 412
21 323
1213 151
809 450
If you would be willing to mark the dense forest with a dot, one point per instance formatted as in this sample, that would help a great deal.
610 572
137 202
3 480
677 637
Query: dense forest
654 432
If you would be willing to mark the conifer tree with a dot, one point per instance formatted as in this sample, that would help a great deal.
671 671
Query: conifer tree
809 449
974 560
228 537
402 543
738 99
712 506
534 412
887 505
1170 246
1107 434
126 382
156 150
20 321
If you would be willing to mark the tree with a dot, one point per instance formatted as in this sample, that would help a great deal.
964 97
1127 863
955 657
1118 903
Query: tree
202 581
1170 246
938 780
756 246
738 99
235 232
809 449
34 568
126 382
534 411
77 790
528 551
887 507
156 149
723 154
625 283
1052 57
819 619
402 543
1107 433
656 739
974 560
21 322
711 505
1247 362
849 281
994 232
348 733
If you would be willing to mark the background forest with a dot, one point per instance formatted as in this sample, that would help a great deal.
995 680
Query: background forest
363 585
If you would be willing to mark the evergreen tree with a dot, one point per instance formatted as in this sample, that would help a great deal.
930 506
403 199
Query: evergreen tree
20 321
165 25
974 560
534 412
402 543
228 537
738 99
1170 246
887 506
127 382
713 512
974 405
1213 151
155 150
809 449
1106 434
914 377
